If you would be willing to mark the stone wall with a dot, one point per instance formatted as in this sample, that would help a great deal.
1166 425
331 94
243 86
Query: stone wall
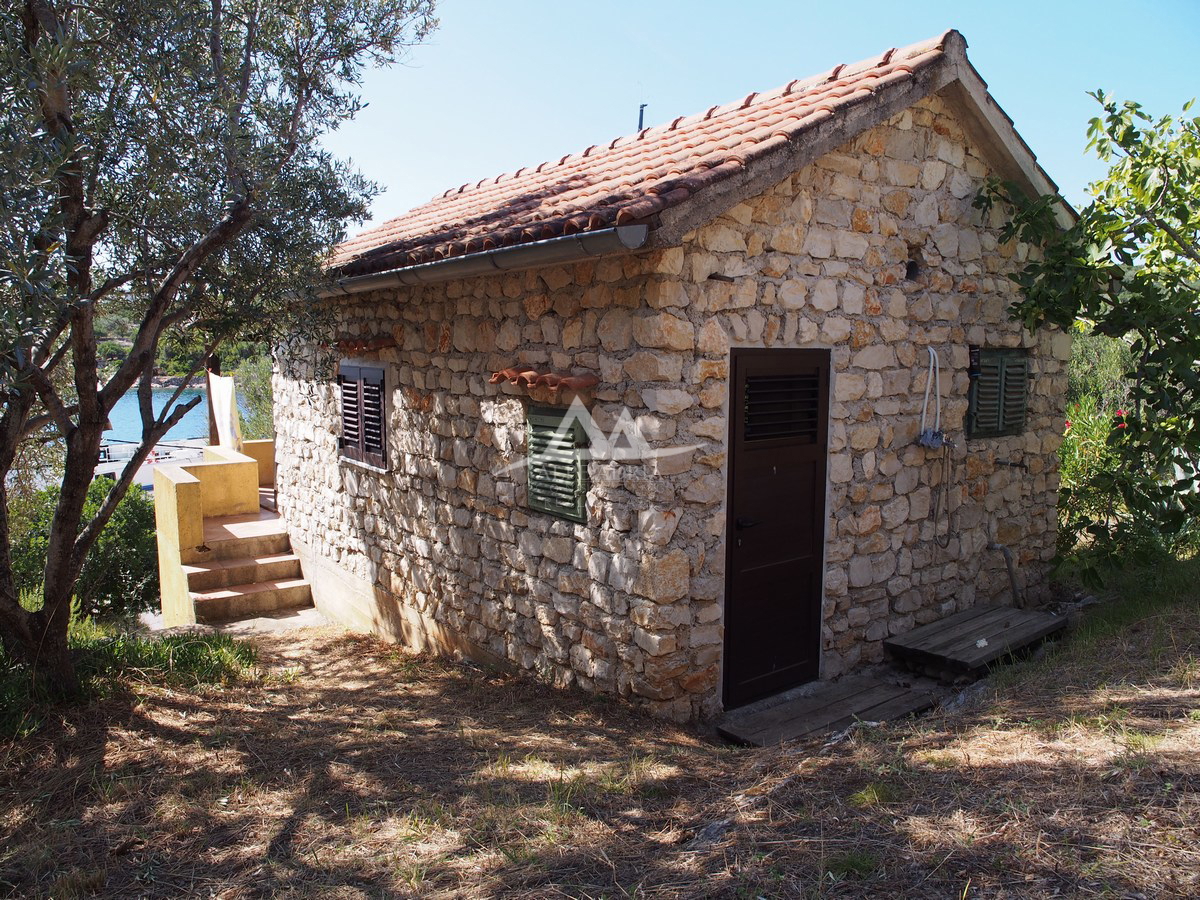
631 601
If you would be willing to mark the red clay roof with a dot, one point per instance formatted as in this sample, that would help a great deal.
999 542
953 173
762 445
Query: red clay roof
627 181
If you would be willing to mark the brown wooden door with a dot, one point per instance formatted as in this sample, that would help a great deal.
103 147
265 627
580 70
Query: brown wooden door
775 526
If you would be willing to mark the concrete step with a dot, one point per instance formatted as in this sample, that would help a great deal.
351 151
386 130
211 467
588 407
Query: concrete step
218 573
247 547
243 537
241 601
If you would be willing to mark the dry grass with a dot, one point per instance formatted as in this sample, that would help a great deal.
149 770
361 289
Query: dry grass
349 768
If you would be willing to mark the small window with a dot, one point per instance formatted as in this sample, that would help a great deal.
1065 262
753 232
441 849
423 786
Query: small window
363 416
999 392
557 464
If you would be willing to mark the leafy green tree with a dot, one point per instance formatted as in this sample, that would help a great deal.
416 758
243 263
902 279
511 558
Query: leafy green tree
160 163
1129 269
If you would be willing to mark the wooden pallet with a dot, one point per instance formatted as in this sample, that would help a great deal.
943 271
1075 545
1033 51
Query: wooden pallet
822 706
970 641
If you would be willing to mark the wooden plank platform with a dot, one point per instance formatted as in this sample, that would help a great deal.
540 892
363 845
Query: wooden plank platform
822 706
971 640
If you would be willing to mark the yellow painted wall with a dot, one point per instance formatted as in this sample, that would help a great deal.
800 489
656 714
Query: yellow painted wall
228 482
179 521
262 452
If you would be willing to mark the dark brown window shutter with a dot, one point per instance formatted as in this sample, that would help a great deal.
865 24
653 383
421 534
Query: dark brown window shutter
374 441
350 387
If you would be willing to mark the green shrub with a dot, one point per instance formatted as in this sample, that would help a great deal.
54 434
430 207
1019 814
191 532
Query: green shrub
112 351
1104 494
1099 369
120 575
1088 463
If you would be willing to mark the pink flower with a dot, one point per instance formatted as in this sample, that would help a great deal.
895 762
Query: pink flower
1068 428
1120 413
1122 425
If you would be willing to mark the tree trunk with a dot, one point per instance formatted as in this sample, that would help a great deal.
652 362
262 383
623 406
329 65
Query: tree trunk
63 559
53 664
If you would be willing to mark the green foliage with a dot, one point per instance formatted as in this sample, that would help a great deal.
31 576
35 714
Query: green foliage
119 577
254 390
107 654
1092 508
178 112
1099 368
1128 271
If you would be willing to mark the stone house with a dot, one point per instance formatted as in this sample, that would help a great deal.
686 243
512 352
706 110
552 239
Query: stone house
747 298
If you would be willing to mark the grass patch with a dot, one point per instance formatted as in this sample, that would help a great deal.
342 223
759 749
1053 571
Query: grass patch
852 864
178 659
107 655
1138 607
878 793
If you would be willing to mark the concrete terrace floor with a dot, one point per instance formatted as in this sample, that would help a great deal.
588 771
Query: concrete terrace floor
266 624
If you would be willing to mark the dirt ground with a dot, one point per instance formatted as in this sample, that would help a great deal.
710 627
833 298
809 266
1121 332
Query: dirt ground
347 767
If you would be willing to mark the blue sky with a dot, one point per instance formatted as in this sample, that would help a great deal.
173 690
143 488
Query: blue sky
508 83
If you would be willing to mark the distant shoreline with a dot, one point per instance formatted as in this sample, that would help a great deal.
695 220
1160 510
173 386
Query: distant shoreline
172 381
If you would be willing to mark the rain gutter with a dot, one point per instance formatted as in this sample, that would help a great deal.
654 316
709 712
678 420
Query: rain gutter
565 249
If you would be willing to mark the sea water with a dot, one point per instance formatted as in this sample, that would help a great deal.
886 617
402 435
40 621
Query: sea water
126 420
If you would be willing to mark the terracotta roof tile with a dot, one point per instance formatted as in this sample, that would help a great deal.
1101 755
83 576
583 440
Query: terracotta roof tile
628 180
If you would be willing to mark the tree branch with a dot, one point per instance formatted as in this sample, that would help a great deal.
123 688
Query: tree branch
247 61
146 339
1187 249
217 49
118 281
50 399
90 532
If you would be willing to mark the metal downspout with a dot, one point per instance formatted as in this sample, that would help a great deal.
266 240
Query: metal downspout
1018 598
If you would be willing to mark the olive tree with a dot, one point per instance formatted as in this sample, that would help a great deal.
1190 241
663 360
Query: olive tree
161 159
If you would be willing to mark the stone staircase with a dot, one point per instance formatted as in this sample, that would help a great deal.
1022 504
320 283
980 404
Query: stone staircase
248 569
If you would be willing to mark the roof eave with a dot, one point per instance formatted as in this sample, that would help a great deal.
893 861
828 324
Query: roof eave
561 250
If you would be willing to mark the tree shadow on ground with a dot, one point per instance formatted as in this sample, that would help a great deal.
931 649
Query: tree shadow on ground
351 768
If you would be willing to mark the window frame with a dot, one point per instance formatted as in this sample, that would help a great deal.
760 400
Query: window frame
1011 411
362 394
548 421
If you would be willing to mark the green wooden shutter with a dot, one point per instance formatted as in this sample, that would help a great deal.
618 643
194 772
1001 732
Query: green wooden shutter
1015 401
556 473
999 397
350 388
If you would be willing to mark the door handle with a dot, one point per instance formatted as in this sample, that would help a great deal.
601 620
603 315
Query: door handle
743 522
